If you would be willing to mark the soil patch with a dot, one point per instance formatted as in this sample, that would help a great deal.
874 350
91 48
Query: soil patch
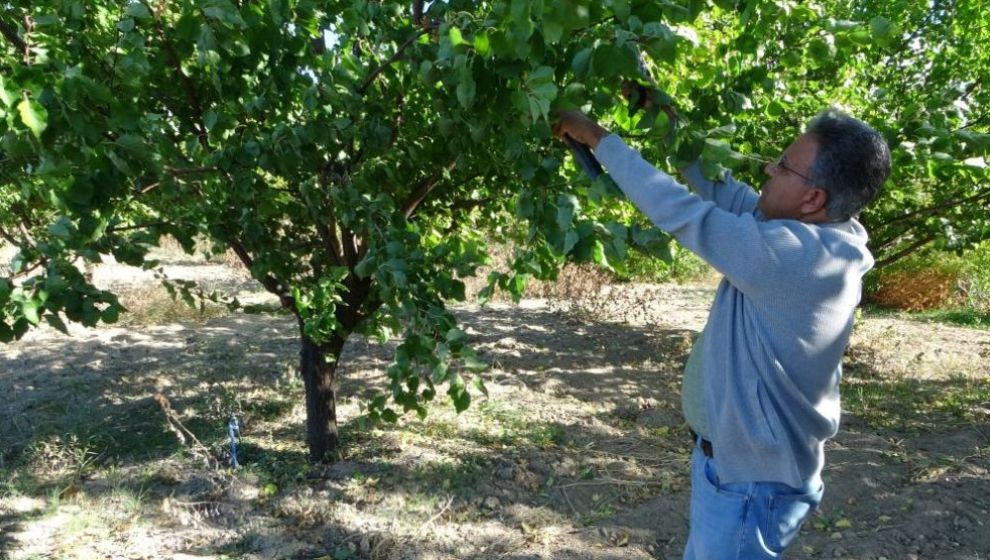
579 450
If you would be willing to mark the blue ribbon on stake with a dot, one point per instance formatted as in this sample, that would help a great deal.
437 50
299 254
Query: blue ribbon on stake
233 428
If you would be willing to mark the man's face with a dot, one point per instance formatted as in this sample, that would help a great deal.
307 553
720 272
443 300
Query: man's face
787 192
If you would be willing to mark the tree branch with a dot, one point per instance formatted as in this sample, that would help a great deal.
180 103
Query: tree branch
398 53
418 195
417 12
327 235
269 282
929 210
28 29
904 252
465 206
350 247
10 34
357 306
139 226
10 238
175 173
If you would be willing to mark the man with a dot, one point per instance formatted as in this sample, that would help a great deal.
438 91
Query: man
761 387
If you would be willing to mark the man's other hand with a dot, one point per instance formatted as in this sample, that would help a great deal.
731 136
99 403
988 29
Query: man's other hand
579 127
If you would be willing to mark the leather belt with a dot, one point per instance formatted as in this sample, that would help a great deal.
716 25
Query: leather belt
706 446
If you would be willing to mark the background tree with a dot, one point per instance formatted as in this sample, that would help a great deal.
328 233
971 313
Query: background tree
356 156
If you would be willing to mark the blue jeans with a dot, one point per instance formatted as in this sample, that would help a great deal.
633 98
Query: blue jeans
743 521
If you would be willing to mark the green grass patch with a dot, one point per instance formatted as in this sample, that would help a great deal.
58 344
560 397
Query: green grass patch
505 425
960 316
458 476
964 317
915 405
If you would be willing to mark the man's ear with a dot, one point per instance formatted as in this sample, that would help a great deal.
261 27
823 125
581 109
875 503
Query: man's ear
814 201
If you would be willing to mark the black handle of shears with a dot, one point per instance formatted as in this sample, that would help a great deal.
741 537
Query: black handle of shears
582 153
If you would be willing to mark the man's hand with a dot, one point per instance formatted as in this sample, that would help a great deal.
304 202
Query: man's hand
579 127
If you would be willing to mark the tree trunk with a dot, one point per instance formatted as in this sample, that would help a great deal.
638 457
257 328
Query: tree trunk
318 364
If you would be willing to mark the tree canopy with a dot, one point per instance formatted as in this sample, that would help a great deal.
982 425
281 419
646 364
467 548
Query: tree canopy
358 156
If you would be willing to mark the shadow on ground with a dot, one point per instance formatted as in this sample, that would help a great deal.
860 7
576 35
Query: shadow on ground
595 468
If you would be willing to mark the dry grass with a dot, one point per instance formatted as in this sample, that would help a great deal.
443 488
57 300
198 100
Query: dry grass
204 250
917 290
153 305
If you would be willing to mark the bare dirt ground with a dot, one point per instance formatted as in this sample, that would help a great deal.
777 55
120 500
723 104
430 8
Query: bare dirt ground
579 450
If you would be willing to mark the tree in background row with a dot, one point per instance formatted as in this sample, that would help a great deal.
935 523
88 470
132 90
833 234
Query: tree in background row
358 156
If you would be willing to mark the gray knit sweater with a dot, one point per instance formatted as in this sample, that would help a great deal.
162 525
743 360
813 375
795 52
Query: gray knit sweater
780 322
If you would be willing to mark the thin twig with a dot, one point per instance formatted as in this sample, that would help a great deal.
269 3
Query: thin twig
182 433
10 34
28 28
421 191
398 53
426 525
935 208
610 482
904 252
139 226
569 503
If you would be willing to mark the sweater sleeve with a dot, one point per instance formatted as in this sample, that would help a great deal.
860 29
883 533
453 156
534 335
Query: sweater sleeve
750 253
729 195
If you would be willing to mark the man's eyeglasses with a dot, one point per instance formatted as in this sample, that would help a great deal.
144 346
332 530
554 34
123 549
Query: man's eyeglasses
779 164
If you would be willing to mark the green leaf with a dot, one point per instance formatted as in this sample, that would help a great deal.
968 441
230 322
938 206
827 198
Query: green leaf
520 11
603 186
456 337
716 150
61 228
570 240
5 289
726 131
652 241
110 314
389 416
474 364
56 322
29 308
884 31
440 372
610 61
567 207
456 38
33 115
46 20
466 88
552 32
366 267
574 96
460 397
137 10
621 9
582 63
482 44
598 254
480 385
7 334
711 169
6 96
821 51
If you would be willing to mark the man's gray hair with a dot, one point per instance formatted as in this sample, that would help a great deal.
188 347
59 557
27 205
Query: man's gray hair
852 164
